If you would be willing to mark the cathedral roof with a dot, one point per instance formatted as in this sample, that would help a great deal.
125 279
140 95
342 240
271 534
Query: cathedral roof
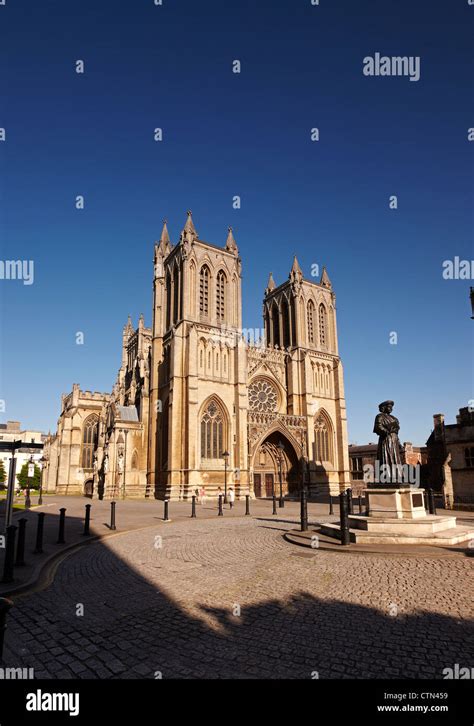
127 413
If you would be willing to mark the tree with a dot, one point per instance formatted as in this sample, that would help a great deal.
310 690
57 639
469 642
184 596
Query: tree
24 479
3 473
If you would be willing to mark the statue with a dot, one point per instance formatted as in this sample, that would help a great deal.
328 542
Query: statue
106 463
120 463
388 464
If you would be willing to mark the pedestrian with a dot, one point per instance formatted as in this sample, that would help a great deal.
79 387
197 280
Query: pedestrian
231 497
202 494
219 493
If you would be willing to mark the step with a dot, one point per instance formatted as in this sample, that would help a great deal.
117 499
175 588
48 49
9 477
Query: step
450 536
429 524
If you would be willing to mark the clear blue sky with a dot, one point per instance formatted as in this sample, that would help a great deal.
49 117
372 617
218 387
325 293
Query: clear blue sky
225 134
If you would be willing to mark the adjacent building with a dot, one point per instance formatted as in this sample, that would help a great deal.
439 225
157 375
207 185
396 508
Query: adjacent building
12 431
451 457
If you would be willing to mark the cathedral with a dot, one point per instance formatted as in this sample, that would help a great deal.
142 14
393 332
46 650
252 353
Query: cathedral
197 404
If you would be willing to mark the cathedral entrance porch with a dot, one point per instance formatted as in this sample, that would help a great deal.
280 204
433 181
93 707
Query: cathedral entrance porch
275 457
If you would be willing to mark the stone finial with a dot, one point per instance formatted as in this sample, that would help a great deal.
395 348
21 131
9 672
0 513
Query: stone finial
270 284
325 281
230 244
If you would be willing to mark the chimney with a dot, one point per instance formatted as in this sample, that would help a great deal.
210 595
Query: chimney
438 422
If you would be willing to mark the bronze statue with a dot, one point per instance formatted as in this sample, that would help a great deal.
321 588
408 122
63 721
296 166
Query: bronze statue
389 463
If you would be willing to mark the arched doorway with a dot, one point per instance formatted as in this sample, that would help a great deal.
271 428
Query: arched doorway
89 488
266 467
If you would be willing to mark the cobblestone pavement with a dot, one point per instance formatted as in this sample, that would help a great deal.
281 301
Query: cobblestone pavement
232 599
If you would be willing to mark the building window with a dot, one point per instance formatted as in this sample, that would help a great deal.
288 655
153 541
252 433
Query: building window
212 432
322 326
204 290
357 471
310 311
469 456
220 296
263 396
175 295
323 440
89 441
164 434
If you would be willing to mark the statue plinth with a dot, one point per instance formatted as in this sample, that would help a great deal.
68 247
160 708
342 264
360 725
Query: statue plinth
400 503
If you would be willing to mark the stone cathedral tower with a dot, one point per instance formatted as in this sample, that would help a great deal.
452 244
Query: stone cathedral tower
198 380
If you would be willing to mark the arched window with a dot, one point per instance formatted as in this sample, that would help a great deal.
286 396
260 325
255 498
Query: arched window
212 432
285 323
322 326
469 455
200 359
225 362
276 324
175 295
310 311
220 295
323 439
165 434
134 461
168 300
217 361
204 290
90 436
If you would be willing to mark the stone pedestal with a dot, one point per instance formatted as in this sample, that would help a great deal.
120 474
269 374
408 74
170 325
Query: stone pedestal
403 503
398 516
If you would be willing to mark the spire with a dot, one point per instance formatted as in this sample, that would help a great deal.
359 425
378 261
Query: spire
165 238
296 276
270 284
189 233
128 328
325 281
296 267
230 244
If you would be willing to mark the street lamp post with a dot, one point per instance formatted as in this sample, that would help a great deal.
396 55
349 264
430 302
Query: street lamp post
42 461
281 449
226 456
31 473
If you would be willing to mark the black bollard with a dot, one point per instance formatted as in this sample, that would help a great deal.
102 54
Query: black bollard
20 548
304 511
431 502
350 506
166 514
39 534
247 504
9 554
193 506
5 605
220 512
344 512
274 510
87 520
112 515
331 507
62 522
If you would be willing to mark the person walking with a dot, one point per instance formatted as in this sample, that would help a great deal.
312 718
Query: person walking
202 494
231 497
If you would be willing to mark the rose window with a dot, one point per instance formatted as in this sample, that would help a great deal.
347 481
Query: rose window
262 396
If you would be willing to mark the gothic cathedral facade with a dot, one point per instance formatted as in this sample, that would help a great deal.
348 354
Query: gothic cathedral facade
197 402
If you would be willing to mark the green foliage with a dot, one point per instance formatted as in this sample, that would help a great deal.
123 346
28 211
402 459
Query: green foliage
24 479
3 473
